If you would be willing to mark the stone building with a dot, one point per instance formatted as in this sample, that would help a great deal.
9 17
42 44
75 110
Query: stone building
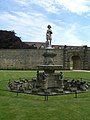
71 57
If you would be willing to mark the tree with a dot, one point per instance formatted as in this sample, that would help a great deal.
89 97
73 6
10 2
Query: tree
9 40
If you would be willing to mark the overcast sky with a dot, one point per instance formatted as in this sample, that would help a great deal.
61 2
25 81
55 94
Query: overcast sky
70 20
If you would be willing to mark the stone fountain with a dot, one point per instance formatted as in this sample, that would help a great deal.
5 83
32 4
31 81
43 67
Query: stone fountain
52 82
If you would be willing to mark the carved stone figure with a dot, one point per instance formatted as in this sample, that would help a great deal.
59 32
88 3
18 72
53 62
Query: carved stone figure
49 35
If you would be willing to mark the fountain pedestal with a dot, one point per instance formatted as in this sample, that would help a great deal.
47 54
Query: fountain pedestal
52 79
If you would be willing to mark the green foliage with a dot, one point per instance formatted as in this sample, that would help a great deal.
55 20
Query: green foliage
9 40
30 107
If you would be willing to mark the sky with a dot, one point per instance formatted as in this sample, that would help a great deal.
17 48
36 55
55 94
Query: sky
69 19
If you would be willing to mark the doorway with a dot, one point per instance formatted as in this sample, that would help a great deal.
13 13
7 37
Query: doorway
75 63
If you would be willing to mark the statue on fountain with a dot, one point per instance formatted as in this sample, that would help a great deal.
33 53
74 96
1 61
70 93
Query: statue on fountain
49 36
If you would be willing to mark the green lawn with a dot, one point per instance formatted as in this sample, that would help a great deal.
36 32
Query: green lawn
30 107
79 75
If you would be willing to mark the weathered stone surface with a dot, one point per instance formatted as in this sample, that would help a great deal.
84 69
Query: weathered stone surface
30 58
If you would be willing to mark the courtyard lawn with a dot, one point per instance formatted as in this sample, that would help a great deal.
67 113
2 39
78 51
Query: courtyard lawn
30 107
77 75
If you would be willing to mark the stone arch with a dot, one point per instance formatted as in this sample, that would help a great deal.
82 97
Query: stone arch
75 62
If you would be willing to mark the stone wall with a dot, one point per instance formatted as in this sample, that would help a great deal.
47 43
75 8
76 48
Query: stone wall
25 58
89 59
30 58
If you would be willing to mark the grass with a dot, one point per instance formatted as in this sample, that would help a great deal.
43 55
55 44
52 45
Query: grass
16 74
77 75
30 107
